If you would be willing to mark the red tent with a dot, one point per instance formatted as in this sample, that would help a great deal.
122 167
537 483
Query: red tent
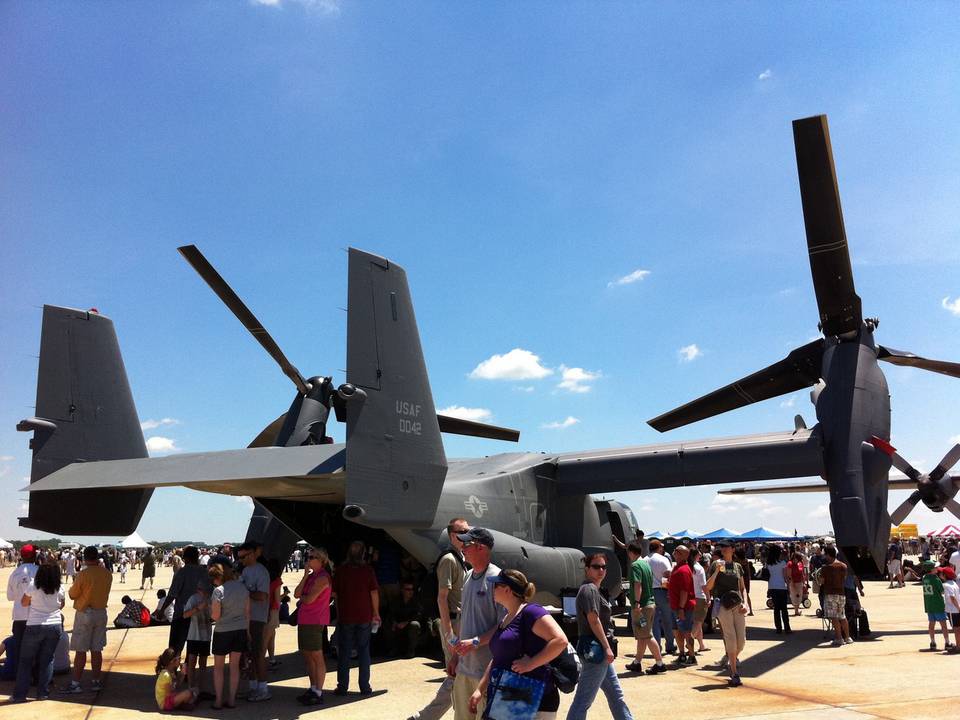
948 531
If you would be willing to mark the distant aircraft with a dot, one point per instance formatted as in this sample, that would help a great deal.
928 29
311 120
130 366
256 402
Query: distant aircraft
91 475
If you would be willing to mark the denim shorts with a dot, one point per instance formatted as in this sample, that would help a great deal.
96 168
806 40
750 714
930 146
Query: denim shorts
684 624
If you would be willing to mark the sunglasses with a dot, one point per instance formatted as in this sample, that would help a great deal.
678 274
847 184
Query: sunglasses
599 567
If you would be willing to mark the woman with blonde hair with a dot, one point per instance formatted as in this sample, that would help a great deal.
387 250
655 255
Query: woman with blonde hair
313 616
524 642
230 610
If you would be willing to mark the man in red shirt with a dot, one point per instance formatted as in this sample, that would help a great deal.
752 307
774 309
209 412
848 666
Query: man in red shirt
358 614
682 603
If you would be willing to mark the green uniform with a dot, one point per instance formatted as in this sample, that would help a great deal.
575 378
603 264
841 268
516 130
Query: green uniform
640 573
933 594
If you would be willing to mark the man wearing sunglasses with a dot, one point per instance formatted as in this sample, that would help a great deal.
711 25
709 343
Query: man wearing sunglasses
479 618
451 573
256 578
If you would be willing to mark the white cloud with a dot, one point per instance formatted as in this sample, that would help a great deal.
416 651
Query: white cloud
322 7
518 364
629 279
952 307
243 500
723 504
577 380
689 353
154 424
159 445
6 458
765 75
646 508
524 388
562 424
821 511
789 402
465 413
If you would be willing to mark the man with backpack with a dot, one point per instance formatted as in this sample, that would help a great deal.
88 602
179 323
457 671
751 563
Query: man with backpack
451 571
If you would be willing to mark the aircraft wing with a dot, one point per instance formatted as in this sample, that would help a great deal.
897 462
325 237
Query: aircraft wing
773 456
897 482
268 472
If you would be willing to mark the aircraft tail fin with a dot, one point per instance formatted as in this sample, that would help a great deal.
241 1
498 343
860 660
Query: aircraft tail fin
395 459
84 412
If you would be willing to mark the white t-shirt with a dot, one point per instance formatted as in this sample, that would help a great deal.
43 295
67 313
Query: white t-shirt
777 581
955 561
699 580
659 566
18 583
951 596
44 608
205 559
69 564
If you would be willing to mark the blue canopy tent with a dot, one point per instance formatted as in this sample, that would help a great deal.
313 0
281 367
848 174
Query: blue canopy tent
654 534
763 533
720 534
685 534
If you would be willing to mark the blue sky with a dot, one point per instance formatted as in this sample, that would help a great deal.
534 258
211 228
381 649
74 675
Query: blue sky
518 160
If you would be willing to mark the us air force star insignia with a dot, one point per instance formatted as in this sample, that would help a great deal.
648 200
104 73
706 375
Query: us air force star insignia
475 505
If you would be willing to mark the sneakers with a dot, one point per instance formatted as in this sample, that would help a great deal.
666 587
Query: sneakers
340 690
310 697
96 685
656 669
933 646
734 681
634 667
73 688
848 641
836 643
366 691
259 695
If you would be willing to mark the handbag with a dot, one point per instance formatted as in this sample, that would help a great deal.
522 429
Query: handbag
731 599
513 696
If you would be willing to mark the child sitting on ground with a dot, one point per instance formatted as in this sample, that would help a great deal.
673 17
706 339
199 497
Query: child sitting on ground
933 604
166 617
165 691
133 615
284 612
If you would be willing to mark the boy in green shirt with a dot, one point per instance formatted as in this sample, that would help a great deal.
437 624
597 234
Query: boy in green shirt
642 605
933 604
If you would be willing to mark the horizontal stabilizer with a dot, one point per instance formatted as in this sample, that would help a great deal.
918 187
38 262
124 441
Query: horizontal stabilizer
459 426
798 370
280 472
747 458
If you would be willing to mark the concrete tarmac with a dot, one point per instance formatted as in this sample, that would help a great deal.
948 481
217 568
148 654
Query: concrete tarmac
891 675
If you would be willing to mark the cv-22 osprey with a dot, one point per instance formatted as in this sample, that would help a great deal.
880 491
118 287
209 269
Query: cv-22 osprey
91 475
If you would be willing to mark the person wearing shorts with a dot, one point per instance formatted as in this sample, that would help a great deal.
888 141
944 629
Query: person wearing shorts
833 574
89 593
230 610
683 601
313 591
643 610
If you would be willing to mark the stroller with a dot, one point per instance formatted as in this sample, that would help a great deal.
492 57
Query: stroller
805 601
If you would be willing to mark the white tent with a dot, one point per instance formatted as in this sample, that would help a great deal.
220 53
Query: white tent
4 545
133 542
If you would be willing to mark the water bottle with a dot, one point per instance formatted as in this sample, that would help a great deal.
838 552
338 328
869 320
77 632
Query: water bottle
452 639
642 619
374 626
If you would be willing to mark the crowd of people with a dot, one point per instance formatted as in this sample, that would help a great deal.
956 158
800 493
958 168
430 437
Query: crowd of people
499 647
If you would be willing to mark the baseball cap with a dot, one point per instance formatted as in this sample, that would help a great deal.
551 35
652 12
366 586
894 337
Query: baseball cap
724 543
947 572
477 535
28 552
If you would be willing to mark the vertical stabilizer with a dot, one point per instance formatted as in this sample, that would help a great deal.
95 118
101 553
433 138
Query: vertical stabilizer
84 412
395 460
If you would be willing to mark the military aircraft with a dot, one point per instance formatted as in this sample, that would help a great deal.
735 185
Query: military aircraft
91 475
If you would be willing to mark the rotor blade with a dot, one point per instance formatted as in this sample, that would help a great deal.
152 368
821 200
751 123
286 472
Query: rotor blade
459 426
908 359
800 369
949 460
268 435
837 299
953 506
896 459
900 514
199 263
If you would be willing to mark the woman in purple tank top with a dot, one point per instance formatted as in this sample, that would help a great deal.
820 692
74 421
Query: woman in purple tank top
524 642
